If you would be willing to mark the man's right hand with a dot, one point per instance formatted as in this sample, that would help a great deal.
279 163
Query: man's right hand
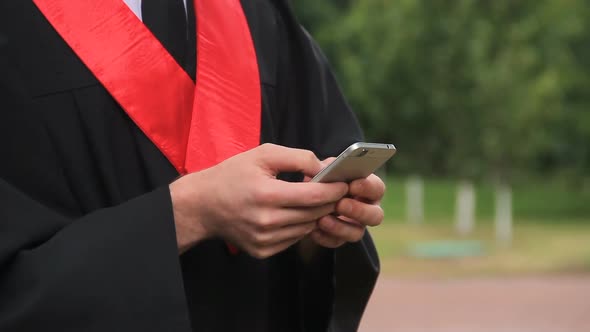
242 201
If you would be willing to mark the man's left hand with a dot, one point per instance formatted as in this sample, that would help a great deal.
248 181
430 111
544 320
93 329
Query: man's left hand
361 208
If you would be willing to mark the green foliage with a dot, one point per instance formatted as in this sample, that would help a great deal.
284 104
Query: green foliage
467 88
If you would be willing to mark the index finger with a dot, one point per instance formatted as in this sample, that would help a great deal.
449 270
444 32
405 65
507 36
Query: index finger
325 163
279 159
300 194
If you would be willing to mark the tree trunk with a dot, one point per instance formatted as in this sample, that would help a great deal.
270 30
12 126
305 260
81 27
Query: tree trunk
465 208
415 199
503 214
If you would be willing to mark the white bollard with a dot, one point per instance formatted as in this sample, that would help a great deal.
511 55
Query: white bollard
503 220
465 208
415 199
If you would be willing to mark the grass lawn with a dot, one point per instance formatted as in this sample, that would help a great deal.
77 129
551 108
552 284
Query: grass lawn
541 202
537 248
551 234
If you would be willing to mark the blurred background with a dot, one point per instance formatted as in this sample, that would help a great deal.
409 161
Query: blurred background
488 206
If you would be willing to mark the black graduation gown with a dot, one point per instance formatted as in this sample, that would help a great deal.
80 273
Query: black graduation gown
87 237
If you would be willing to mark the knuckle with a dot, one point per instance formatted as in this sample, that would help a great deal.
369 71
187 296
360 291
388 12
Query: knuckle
257 239
341 207
358 186
265 221
264 195
262 239
251 240
316 196
313 197
308 158
267 146
355 211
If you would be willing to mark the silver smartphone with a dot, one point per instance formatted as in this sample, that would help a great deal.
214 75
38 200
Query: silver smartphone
357 161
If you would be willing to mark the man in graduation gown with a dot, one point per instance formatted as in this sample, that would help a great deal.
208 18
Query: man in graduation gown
132 199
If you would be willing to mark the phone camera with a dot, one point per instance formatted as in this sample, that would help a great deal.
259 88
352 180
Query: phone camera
363 152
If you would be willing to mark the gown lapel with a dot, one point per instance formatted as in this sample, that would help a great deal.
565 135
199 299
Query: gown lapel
195 127
227 107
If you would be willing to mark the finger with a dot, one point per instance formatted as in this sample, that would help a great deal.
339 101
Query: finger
291 232
327 162
289 194
279 235
268 251
325 240
277 218
370 189
277 159
364 213
324 164
337 228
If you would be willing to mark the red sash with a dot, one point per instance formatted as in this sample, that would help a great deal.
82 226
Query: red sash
195 128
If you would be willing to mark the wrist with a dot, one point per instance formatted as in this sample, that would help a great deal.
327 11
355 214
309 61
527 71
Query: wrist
187 216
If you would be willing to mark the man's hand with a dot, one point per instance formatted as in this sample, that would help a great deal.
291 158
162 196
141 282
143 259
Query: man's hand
241 201
356 212
353 213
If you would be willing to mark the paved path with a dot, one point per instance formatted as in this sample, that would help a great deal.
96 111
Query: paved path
539 304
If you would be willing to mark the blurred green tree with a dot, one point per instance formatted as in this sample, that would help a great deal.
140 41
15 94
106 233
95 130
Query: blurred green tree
466 88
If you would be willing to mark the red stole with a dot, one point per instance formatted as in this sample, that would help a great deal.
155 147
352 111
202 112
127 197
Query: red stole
195 127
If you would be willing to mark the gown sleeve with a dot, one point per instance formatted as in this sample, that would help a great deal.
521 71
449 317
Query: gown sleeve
337 285
115 269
